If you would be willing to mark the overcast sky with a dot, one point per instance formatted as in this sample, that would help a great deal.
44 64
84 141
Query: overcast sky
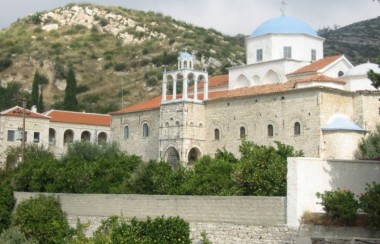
228 16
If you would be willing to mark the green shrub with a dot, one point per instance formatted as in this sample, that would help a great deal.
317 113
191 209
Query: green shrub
120 67
5 63
369 147
370 204
340 205
7 202
158 230
42 219
14 235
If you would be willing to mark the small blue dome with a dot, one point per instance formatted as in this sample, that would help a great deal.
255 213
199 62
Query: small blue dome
284 25
185 55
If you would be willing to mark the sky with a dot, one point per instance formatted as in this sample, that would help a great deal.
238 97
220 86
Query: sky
227 16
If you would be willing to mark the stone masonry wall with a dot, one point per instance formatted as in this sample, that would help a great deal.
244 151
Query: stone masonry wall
224 219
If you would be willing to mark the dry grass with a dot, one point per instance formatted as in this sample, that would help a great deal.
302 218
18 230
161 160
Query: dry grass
322 219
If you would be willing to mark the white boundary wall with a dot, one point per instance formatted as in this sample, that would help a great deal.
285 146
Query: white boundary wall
307 176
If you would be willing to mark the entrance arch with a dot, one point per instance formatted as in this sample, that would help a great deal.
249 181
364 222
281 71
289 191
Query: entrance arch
171 156
194 155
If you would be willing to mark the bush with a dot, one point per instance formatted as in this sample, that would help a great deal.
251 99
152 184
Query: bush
7 202
14 235
370 204
158 230
369 147
340 205
42 219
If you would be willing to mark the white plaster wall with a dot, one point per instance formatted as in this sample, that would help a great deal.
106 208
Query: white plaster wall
357 83
340 144
307 176
31 125
59 148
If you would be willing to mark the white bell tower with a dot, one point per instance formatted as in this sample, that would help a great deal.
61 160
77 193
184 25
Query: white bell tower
184 77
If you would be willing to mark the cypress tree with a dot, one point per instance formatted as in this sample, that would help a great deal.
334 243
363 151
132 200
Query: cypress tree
40 105
71 103
34 95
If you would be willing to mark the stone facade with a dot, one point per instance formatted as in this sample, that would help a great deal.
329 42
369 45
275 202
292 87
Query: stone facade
286 92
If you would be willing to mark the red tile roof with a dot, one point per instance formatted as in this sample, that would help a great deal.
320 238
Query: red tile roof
155 102
320 78
317 65
215 81
18 112
79 118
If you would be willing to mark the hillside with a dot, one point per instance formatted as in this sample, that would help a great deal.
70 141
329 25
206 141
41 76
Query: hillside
110 48
120 52
360 41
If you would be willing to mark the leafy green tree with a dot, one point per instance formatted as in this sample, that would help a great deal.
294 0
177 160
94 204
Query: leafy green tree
42 219
9 95
70 102
375 77
211 177
7 202
14 235
262 169
369 147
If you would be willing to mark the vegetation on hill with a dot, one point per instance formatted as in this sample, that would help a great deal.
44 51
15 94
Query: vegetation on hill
359 42
119 55
111 48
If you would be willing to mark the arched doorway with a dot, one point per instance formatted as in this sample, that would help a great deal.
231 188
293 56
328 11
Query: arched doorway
171 156
52 136
194 155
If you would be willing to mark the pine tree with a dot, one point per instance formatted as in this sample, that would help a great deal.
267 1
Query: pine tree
71 103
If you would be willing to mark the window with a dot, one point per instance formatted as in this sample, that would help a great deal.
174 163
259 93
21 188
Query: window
36 137
297 128
216 134
11 135
287 52
259 55
145 130
242 132
270 130
126 132
313 55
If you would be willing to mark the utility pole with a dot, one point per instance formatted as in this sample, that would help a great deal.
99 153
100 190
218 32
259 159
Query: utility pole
23 141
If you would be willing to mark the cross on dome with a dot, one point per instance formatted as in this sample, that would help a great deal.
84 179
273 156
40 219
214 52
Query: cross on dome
283 7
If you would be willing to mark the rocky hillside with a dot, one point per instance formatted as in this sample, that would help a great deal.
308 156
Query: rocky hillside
360 41
119 52
111 49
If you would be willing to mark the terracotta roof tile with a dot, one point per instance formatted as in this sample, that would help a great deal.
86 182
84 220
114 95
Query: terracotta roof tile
215 81
320 78
155 102
254 90
317 65
79 118
17 112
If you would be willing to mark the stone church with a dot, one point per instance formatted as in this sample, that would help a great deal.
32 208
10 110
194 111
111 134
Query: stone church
287 91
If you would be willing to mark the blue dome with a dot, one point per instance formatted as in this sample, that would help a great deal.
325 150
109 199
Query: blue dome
185 55
284 25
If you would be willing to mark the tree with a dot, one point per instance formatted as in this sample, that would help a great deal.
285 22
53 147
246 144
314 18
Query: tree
262 169
369 147
375 77
40 105
9 94
42 219
35 89
70 102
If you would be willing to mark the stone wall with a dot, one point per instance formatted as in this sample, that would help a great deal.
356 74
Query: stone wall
225 219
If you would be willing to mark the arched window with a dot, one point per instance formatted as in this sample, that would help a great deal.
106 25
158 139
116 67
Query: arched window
270 130
145 130
68 137
126 132
297 128
216 134
242 132
102 138
85 136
